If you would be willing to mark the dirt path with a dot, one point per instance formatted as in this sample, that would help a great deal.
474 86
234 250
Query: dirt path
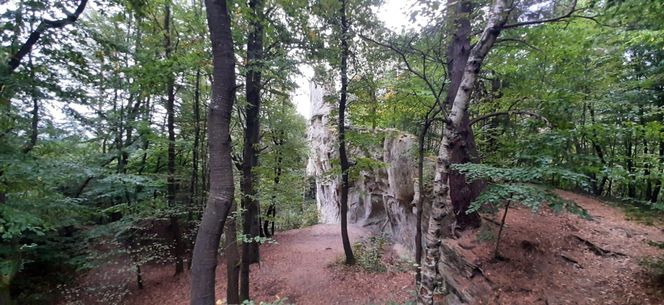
301 267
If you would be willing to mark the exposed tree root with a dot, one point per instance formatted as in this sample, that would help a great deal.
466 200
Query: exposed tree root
597 249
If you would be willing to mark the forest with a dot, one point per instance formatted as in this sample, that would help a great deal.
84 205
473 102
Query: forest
211 152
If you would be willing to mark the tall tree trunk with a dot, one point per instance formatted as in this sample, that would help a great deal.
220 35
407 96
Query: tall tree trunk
251 225
441 209
462 193
232 254
418 197
170 113
222 189
343 158
193 185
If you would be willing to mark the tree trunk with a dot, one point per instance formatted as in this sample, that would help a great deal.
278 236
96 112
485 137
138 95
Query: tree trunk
272 210
232 254
658 182
5 295
418 198
34 124
170 114
462 193
193 184
631 187
598 188
441 209
343 158
222 190
251 225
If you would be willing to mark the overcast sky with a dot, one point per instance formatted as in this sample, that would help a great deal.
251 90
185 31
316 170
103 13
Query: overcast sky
395 14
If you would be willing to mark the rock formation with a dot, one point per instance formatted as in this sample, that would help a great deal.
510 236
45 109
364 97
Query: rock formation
381 195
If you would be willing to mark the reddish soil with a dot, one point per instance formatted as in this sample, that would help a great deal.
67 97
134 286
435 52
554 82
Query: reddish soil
549 260
303 266
545 262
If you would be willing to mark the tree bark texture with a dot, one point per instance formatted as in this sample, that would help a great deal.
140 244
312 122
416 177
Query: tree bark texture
343 158
221 193
251 226
441 210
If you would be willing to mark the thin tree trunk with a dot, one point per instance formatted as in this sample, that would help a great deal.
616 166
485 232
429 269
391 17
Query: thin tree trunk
170 113
139 276
631 188
658 183
272 210
441 209
222 189
343 158
251 225
193 186
34 124
418 198
598 189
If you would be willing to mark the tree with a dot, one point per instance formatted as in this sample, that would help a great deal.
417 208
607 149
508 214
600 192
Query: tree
221 195
251 225
170 113
343 158
456 124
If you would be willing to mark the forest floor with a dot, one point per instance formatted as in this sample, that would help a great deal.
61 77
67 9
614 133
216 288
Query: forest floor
304 266
552 259
549 259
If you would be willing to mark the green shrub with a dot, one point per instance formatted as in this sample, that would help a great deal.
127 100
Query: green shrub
369 254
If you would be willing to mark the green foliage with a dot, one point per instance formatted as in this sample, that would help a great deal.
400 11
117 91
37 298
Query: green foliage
486 233
515 185
369 254
282 301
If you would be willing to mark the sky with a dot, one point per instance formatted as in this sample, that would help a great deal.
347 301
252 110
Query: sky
395 15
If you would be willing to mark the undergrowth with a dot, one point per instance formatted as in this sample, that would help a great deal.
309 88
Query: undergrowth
654 269
283 301
369 254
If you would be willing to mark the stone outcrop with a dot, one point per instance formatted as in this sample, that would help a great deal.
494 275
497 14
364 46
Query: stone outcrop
381 195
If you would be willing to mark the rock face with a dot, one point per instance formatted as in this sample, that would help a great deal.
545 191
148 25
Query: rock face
380 196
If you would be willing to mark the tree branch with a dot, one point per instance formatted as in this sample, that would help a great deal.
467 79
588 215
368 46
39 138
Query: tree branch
510 112
534 22
45 25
